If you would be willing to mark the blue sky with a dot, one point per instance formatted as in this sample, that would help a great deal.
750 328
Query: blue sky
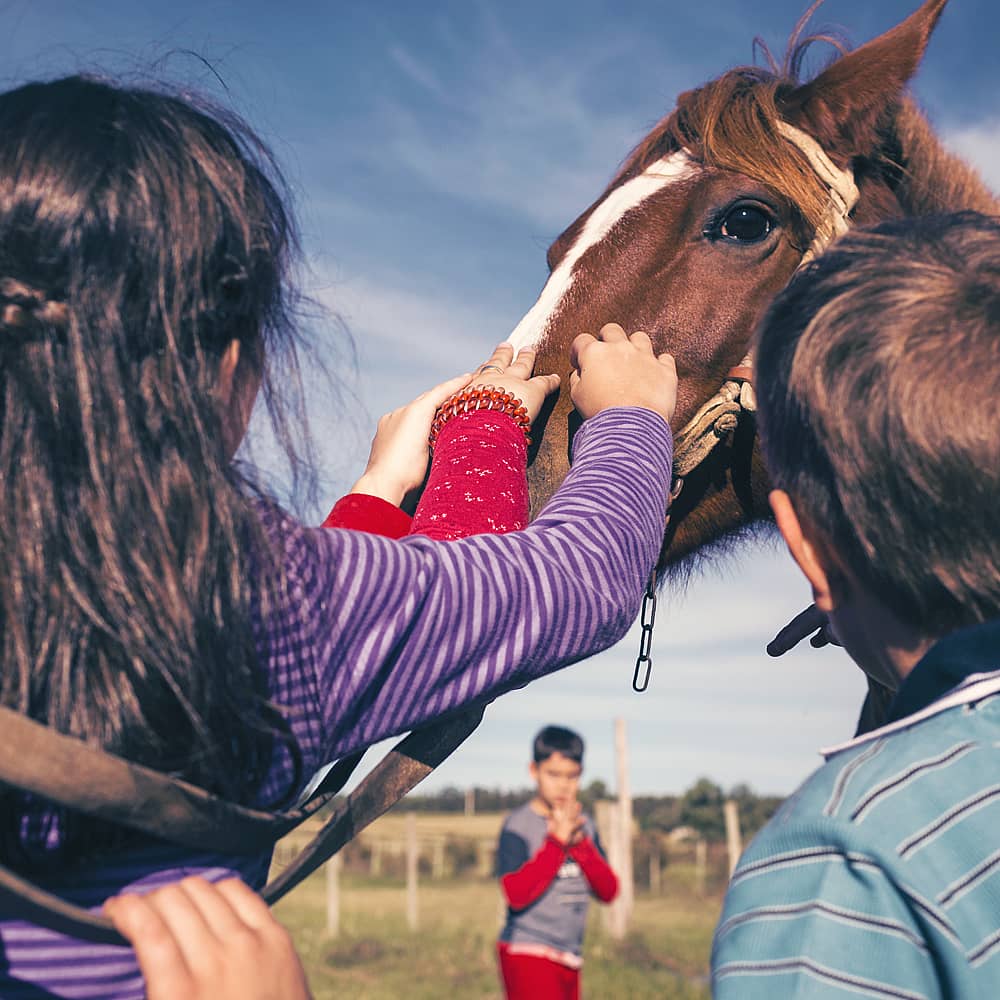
435 150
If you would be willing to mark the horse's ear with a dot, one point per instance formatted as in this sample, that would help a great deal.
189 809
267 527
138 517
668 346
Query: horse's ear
841 107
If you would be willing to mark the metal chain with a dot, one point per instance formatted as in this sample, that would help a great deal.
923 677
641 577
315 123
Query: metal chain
644 662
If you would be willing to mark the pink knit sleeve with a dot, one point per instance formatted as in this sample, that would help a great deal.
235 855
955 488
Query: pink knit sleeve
478 482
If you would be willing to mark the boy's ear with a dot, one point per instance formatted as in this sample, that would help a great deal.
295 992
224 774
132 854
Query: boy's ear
803 549
533 771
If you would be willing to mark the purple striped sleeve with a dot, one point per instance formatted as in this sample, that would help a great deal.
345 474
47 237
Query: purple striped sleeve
378 636
399 632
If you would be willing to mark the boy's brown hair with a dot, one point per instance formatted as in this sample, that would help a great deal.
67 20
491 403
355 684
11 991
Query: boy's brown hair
878 377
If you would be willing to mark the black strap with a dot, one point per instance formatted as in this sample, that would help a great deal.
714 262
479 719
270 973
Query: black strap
186 810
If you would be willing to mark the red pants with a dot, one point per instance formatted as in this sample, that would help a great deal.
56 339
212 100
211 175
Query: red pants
531 977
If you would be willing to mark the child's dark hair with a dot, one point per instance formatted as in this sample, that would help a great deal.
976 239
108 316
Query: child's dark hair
139 237
877 374
557 739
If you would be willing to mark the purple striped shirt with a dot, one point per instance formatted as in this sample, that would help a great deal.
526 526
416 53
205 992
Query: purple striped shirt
382 635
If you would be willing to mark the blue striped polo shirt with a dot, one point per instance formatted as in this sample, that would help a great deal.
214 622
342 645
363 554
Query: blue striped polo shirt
880 876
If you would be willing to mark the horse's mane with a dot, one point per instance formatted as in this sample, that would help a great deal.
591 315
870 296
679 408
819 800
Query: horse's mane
935 180
732 123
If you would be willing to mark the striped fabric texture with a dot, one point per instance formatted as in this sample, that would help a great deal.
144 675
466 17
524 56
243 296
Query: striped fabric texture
880 877
381 635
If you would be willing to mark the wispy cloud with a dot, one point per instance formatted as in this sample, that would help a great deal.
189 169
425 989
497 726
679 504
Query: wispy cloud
524 135
979 143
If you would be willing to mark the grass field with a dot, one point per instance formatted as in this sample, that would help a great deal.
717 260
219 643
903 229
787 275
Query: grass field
376 956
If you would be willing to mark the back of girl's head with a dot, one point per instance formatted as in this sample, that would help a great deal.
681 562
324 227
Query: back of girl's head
140 236
132 219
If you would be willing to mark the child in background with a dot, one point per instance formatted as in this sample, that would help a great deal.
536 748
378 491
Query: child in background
153 602
879 412
550 863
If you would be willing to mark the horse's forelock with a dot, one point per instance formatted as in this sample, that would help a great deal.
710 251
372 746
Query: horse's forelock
732 123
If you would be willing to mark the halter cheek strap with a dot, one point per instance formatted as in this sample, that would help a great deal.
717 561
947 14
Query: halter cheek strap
839 183
716 420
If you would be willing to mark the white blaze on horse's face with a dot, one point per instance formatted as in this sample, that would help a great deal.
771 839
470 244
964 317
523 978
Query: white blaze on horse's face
532 329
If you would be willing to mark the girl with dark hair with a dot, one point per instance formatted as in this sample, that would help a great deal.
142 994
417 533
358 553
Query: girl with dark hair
153 602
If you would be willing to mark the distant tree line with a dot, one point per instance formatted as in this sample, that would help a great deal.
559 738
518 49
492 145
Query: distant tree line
700 807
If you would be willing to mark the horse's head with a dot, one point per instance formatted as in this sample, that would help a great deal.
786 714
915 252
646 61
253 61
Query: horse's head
706 221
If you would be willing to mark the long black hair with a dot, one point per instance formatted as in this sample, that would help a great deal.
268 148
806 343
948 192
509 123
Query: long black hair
141 234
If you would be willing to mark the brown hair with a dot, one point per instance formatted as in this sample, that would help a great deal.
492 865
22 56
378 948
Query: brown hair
877 377
141 233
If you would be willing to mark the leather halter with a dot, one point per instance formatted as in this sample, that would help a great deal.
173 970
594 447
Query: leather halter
717 419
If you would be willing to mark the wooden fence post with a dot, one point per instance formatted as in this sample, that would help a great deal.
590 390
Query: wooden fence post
734 842
626 879
333 896
655 868
484 858
412 857
609 822
700 864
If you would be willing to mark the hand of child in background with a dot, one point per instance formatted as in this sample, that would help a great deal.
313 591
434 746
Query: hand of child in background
614 369
196 940
399 453
566 823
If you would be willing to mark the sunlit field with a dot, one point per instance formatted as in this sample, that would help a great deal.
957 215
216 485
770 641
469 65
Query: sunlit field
376 956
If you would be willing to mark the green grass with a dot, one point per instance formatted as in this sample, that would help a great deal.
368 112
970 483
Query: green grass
376 956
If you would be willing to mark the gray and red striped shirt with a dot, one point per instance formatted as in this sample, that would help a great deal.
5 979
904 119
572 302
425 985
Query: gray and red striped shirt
382 635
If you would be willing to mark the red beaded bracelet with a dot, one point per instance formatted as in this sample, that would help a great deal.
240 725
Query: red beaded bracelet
481 397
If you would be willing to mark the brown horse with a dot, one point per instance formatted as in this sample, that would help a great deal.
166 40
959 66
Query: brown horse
708 219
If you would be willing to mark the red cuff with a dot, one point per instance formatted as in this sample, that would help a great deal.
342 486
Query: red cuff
361 512
596 870
478 482
524 886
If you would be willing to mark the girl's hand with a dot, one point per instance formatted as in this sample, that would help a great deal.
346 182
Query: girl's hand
199 941
614 369
398 459
514 374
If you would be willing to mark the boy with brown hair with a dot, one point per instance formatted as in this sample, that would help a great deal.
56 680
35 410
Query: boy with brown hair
550 863
879 409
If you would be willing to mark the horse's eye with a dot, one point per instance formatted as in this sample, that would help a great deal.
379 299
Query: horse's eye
745 224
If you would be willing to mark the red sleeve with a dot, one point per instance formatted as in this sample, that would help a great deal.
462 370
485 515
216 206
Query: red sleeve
361 512
478 482
596 870
524 886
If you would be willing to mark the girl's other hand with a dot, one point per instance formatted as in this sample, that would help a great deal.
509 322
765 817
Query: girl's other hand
398 460
614 369
514 374
201 941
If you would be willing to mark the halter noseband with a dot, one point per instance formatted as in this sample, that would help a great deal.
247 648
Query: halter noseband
716 420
